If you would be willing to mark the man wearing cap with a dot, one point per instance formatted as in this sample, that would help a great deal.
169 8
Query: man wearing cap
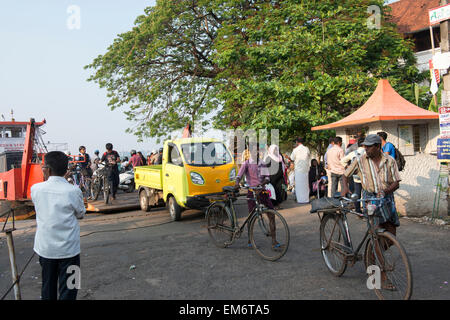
379 178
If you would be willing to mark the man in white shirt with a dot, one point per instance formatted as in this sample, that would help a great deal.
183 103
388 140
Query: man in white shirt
58 204
301 157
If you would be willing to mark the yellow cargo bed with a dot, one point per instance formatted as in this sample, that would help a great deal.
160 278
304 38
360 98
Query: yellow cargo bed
149 176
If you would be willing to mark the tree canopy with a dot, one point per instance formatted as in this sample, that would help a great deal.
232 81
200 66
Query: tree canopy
286 65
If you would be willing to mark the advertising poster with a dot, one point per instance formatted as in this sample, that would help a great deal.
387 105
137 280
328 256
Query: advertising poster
443 150
444 122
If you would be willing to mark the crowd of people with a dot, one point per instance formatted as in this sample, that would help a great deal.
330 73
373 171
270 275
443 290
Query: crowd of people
312 178
113 162
367 167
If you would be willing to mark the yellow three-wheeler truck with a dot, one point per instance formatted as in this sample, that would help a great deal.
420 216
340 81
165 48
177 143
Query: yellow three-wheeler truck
192 170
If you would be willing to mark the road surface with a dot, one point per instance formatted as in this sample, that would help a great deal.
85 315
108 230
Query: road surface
137 255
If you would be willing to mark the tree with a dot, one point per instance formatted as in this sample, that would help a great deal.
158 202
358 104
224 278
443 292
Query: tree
297 64
286 65
161 71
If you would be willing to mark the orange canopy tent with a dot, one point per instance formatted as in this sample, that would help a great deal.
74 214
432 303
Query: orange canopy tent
384 104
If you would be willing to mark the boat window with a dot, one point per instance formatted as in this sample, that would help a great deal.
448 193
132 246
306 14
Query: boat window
13 132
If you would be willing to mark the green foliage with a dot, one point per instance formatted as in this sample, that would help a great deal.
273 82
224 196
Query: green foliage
287 65
161 71
293 65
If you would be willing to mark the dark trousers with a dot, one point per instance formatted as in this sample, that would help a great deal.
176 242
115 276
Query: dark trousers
351 184
358 190
114 182
335 178
55 276
263 198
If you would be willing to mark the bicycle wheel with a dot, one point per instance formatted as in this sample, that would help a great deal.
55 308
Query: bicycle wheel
106 190
84 187
87 187
96 187
220 224
269 234
396 275
333 244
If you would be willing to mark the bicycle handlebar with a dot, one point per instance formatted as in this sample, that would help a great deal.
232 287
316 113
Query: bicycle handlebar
257 188
360 200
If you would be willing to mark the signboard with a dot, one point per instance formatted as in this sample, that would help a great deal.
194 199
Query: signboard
439 14
12 144
444 122
443 150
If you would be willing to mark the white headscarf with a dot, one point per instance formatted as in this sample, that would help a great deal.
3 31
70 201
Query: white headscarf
274 153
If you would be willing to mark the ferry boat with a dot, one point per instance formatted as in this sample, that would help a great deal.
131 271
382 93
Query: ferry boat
22 151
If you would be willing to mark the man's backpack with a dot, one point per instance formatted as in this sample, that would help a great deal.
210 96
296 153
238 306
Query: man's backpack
400 159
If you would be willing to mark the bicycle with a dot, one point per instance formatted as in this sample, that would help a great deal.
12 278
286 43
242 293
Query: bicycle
382 249
101 182
76 177
265 226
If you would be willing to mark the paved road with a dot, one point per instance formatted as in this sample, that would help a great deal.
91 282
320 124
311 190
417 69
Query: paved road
159 259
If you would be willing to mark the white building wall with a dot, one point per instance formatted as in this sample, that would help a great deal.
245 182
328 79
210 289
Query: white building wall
416 194
418 186
423 58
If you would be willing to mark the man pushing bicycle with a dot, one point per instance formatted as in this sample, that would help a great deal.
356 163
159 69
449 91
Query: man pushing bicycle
379 178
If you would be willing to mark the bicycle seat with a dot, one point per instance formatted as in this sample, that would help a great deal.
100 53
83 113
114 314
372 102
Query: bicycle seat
256 188
230 189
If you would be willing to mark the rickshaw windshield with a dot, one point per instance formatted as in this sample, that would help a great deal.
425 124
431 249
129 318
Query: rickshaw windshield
205 154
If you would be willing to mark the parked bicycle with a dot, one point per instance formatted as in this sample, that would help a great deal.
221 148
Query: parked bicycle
382 249
76 177
268 231
100 182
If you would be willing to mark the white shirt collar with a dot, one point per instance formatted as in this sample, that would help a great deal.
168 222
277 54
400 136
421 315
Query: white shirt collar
56 178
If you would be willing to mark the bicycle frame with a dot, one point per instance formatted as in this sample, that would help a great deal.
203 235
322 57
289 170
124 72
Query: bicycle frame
237 230
371 231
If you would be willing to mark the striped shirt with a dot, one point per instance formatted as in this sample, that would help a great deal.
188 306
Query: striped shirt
374 179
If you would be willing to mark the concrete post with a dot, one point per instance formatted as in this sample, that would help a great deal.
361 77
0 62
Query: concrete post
12 260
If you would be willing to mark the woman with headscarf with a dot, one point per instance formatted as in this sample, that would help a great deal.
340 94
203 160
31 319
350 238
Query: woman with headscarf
275 163
256 174
316 171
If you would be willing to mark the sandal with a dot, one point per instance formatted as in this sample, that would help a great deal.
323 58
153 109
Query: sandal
387 285
278 247
249 245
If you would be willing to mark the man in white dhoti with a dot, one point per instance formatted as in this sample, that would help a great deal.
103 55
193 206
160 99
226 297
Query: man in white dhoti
301 157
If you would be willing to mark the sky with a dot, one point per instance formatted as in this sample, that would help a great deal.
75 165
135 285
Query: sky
42 74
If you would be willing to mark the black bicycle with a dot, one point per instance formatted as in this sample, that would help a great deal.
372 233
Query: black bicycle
101 182
268 231
382 249
78 177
